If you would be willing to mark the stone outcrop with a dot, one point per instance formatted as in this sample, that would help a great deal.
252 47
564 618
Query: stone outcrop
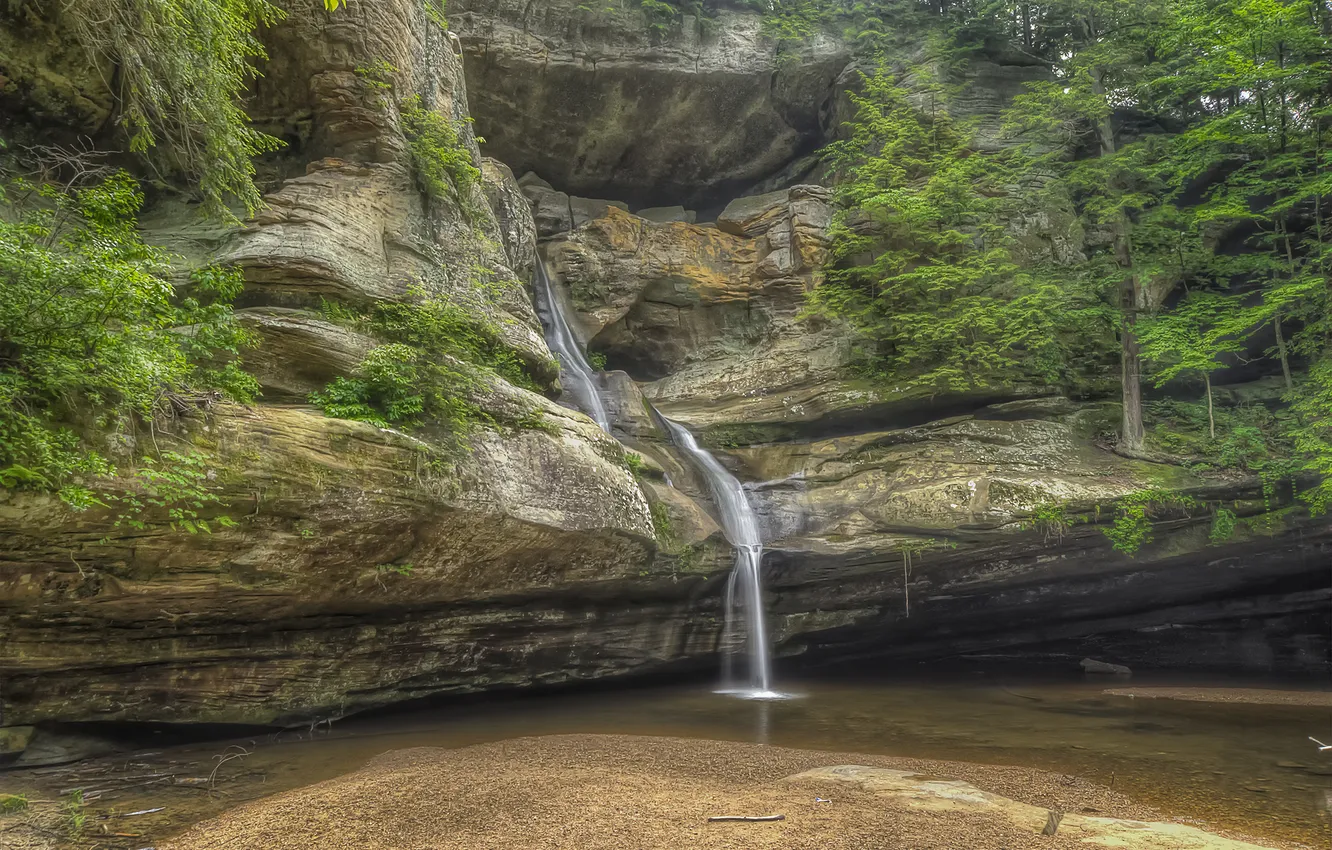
663 299
369 566
365 565
855 483
601 103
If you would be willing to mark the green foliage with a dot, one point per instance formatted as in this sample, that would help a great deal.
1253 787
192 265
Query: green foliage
178 485
1132 525
941 303
1051 519
1223 526
435 11
633 461
440 327
661 522
661 17
1194 336
442 163
1312 435
1251 438
597 360
75 812
378 76
386 389
92 336
423 375
181 67
11 803
383 571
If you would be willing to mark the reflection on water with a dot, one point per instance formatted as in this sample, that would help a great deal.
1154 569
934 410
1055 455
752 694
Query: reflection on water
1250 768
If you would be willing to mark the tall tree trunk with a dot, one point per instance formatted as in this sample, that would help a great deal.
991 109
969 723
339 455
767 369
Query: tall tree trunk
1281 350
1211 420
1131 301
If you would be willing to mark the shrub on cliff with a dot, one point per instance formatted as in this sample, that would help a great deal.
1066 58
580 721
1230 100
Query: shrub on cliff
93 337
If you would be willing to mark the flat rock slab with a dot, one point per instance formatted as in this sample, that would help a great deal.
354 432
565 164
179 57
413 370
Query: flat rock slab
958 798
595 792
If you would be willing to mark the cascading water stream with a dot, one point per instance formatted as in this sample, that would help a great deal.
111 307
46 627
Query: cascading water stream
744 591
575 372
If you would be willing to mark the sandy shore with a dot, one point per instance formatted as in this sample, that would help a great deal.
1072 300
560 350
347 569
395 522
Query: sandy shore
596 792
1250 696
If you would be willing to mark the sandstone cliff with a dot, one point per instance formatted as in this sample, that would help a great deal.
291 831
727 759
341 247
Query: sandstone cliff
371 566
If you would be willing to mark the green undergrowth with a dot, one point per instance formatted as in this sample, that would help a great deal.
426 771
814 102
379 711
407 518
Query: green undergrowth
661 523
1128 522
99 353
442 163
425 374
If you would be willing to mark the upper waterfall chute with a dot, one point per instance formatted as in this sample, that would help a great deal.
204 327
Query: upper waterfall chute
576 373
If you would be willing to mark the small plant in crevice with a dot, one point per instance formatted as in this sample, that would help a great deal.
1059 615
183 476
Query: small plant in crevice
661 522
1051 520
435 11
442 164
1223 526
75 812
384 570
910 549
378 76
633 461
597 360
1132 525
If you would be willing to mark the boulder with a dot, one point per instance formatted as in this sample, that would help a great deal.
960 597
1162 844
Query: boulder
663 215
584 210
513 213
1104 668
299 352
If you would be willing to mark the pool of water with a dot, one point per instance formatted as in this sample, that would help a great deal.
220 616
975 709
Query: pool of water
1247 768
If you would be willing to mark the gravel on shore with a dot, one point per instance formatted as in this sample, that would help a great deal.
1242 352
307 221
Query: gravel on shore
614 792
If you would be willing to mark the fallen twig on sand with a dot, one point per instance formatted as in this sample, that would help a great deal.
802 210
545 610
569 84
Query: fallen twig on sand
745 819
223 758
142 812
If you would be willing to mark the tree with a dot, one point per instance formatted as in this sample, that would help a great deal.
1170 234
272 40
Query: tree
1193 338
1096 67
921 262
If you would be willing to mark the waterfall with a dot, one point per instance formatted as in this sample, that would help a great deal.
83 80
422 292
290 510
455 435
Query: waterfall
575 373
744 590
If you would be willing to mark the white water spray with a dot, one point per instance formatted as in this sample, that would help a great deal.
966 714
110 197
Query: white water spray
744 591
575 372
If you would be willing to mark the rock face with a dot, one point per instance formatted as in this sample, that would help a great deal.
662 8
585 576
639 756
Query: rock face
369 566
602 103
858 487
366 565
360 573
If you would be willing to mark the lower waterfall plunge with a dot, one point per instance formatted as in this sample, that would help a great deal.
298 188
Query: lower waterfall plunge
744 590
